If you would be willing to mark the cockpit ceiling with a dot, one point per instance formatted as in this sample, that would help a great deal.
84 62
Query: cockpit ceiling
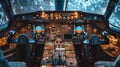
114 19
90 6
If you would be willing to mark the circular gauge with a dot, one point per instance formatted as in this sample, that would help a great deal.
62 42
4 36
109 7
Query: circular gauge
79 29
39 29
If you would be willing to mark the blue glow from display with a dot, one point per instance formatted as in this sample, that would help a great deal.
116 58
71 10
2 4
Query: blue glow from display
27 6
39 28
114 20
12 32
3 18
78 28
90 6
31 40
15 41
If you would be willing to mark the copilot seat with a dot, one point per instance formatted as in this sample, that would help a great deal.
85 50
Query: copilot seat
116 63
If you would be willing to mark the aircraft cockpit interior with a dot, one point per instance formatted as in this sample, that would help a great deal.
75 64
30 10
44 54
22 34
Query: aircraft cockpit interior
59 33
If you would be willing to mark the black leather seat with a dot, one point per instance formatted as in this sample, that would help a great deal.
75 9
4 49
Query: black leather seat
116 63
